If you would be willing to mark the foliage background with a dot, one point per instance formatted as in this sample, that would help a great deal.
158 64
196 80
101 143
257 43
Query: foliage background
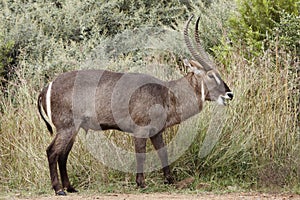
254 42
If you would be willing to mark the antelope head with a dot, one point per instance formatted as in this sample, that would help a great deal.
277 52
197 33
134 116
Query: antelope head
213 88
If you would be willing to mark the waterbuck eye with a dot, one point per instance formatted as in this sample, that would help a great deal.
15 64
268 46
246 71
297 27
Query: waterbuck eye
214 77
211 76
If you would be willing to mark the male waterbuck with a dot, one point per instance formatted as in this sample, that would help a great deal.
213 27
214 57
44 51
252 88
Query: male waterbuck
130 102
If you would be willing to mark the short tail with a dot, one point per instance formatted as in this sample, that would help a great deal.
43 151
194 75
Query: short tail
49 127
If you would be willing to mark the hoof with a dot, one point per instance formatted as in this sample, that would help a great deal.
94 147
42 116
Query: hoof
141 185
169 180
140 180
61 193
72 190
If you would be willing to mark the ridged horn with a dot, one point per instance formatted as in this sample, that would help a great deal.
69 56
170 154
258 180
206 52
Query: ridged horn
199 47
189 45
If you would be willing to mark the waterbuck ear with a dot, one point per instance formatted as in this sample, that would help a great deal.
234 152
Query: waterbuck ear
192 65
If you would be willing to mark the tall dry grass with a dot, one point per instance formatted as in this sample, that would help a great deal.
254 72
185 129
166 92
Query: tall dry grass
257 146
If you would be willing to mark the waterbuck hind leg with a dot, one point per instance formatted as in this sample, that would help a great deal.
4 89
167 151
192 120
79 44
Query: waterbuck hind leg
140 152
52 156
57 153
62 163
158 143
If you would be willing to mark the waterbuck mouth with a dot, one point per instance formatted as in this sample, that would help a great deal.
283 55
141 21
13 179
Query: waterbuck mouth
222 100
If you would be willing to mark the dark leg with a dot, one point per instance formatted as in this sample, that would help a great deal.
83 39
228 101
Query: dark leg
58 152
52 155
62 163
140 152
158 143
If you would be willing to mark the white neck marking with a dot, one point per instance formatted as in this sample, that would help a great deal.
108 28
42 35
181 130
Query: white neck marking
202 92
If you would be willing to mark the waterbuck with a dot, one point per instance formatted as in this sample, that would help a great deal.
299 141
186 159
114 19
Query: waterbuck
130 102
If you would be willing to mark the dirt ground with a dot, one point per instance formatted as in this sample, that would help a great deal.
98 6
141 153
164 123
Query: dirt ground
161 196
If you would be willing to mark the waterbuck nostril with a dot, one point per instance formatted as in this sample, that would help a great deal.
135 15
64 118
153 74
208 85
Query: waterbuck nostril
230 95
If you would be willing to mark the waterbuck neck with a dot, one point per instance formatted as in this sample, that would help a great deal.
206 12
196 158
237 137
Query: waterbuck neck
185 98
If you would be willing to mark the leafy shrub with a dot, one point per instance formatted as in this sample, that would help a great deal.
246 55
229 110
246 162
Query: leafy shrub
258 20
57 35
7 56
287 31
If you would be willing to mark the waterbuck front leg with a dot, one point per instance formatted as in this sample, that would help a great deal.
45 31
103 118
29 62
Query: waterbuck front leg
140 152
158 143
58 152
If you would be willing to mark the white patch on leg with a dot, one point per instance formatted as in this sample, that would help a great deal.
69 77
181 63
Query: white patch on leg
48 102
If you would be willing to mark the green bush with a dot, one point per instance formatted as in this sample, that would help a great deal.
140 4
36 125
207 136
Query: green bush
260 20
287 31
7 56
57 35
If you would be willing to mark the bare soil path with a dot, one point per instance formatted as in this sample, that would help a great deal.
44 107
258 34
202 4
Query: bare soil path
167 196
